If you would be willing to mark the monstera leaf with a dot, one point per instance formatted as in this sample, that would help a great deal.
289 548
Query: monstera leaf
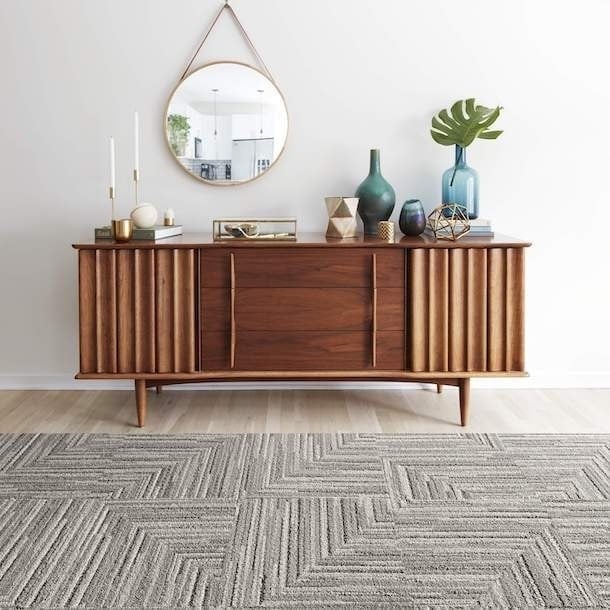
464 123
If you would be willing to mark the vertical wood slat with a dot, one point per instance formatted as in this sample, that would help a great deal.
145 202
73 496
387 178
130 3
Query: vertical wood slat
438 304
465 309
233 288
164 323
457 309
496 309
125 311
476 310
198 313
106 311
515 322
417 290
87 310
184 311
144 311
374 308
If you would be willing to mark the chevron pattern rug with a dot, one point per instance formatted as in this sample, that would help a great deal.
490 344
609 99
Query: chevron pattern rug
304 520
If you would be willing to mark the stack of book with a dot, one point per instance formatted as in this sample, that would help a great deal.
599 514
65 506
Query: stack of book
480 227
156 232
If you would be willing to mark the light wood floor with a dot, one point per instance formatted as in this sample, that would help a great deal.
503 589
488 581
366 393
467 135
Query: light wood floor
176 411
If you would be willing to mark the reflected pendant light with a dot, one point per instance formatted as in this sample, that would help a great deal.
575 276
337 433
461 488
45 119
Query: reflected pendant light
261 91
215 91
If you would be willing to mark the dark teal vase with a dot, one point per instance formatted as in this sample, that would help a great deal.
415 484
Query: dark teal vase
412 220
377 197
461 185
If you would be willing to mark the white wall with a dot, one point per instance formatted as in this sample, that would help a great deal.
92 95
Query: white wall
356 74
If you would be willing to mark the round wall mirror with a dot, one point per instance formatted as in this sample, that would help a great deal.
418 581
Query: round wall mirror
226 123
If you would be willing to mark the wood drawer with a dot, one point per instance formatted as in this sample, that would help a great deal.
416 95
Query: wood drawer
303 351
289 309
303 267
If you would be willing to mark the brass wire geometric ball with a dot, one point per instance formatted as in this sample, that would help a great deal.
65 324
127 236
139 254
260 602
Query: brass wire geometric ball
449 221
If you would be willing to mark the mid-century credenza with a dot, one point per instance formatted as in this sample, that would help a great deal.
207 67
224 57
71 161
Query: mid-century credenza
187 309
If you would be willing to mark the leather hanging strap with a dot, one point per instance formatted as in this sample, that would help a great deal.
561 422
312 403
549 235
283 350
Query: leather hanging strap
229 8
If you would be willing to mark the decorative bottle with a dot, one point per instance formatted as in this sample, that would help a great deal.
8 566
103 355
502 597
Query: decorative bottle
461 184
377 197
412 220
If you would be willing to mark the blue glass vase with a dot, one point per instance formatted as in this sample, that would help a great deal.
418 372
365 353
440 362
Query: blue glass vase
461 185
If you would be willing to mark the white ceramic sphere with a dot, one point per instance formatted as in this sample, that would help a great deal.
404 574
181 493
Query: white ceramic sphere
144 215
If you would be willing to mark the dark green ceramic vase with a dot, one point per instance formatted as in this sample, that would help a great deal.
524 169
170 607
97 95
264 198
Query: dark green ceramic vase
412 220
377 197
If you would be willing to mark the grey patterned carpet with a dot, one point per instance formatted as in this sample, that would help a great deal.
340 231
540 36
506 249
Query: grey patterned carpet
354 520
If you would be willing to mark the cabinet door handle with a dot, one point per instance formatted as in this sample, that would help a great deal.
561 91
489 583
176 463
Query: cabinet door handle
374 303
233 338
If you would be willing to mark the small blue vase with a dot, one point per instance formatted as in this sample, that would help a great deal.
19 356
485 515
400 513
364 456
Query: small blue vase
412 220
461 185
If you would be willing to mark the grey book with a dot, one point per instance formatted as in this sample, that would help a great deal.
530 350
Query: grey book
156 232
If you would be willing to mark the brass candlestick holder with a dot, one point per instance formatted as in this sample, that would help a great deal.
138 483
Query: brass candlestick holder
112 212
136 179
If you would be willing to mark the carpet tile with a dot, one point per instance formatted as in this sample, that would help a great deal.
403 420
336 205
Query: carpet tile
304 520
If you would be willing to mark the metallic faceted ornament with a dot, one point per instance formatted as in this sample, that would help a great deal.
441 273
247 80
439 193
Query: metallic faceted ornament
449 221
341 217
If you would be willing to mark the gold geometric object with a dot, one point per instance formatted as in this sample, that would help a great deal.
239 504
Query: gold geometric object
449 221
385 230
341 216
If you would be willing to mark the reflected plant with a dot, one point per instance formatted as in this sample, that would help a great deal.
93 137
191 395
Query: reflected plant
178 129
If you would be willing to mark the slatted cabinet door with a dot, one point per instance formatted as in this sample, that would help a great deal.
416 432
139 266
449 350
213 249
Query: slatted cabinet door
138 310
465 313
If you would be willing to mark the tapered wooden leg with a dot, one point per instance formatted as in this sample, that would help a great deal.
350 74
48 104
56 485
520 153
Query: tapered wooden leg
141 401
159 389
464 400
439 388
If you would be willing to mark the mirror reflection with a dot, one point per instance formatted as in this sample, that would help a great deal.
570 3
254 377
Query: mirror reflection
226 123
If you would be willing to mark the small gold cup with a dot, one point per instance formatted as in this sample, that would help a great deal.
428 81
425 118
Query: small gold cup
122 229
168 222
385 230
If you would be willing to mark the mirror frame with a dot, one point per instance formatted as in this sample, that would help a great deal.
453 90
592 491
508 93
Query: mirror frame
225 183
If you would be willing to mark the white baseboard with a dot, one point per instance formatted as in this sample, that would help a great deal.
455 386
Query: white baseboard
535 381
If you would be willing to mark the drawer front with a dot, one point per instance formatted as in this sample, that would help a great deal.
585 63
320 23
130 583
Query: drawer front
304 309
303 267
303 351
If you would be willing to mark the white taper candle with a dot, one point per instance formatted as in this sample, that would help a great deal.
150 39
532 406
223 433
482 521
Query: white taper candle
136 141
112 167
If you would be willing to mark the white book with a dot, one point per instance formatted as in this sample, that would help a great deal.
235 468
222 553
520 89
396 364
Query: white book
480 222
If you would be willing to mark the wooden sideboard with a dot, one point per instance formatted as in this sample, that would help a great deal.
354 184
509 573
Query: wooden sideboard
187 309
